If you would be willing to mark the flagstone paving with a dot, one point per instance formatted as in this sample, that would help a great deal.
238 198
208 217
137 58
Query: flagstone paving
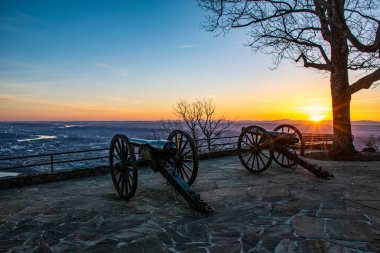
279 210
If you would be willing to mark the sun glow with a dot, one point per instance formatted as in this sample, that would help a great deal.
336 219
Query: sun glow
316 117
316 113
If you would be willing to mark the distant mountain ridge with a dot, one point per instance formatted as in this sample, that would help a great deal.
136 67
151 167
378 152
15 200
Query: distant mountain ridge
152 121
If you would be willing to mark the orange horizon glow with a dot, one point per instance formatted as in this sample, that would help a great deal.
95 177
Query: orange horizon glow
57 113
244 107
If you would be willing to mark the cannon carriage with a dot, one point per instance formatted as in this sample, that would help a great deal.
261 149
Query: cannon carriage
257 148
175 159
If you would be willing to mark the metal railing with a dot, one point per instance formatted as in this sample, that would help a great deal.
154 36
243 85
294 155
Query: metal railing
217 144
51 159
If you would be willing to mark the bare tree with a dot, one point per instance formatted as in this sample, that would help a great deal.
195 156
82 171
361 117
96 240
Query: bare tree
333 36
211 125
200 119
190 114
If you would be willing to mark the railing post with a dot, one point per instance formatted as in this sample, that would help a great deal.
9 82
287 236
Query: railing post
51 163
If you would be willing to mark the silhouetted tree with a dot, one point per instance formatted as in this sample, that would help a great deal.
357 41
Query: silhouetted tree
199 118
334 36
189 114
212 126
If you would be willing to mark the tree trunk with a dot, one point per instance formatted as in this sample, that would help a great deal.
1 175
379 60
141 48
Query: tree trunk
342 141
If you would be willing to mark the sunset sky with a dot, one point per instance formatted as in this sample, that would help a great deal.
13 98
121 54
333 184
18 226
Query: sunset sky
132 60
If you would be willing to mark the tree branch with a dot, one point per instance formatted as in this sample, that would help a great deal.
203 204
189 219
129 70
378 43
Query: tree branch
362 47
278 14
308 64
364 82
320 12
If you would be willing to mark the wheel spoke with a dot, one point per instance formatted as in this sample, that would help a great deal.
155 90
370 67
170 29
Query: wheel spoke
267 157
180 171
250 140
246 141
249 158
124 158
256 140
184 155
246 153
253 161
130 180
184 172
117 157
122 182
119 180
253 139
261 158
184 146
117 148
187 167
178 141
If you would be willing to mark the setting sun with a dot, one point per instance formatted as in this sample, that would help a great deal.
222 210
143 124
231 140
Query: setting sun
317 117
316 113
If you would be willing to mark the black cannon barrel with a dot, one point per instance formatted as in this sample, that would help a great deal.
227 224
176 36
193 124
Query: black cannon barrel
283 137
164 146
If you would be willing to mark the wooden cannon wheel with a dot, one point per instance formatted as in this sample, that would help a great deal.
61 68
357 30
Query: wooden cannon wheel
123 166
298 148
255 148
185 162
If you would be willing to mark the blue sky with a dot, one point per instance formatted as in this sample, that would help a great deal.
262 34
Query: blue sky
128 59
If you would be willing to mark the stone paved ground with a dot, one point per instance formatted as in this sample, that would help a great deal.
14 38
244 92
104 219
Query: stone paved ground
277 211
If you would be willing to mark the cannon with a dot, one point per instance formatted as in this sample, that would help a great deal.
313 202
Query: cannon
175 159
257 148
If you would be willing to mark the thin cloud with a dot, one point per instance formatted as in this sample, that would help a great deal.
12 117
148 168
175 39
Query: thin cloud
103 65
187 46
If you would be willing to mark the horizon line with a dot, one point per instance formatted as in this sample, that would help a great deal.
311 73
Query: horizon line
244 120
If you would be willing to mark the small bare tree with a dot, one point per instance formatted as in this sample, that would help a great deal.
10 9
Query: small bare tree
189 114
200 119
211 125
